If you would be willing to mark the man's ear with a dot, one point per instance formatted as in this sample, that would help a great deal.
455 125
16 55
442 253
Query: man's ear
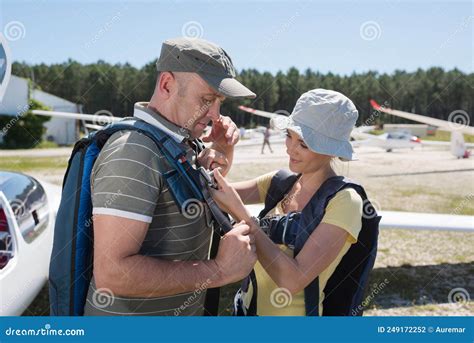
166 84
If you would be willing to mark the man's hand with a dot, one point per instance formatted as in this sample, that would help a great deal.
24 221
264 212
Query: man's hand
212 159
224 133
237 253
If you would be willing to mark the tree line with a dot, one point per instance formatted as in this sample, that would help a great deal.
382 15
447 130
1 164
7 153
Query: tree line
103 86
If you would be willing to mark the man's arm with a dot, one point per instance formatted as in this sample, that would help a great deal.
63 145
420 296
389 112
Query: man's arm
119 267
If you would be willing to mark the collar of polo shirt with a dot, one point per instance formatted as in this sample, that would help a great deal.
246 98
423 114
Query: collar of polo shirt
141 111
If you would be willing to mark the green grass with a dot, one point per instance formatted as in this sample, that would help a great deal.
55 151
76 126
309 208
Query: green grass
440 201
376 132
46 145
444 136
24 164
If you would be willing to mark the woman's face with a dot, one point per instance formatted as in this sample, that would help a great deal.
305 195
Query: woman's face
302 159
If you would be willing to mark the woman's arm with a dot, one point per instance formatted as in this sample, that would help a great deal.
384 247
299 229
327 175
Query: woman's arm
248 191
319 251
294 274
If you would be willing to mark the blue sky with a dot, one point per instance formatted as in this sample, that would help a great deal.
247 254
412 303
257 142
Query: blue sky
337 36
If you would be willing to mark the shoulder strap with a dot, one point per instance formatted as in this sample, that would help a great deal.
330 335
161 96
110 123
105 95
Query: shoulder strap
346 287
313 214
280 185
173 152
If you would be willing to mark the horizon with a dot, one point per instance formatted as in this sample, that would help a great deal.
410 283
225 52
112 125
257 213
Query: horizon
273 73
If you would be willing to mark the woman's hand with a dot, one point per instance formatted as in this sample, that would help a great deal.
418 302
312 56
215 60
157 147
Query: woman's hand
228 199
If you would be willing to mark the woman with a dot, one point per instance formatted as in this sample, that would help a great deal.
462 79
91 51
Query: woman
318 132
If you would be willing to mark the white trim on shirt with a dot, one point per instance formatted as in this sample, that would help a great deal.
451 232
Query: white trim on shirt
122 214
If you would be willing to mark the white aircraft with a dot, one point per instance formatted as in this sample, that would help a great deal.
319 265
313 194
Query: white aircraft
389 140
457 144
28 210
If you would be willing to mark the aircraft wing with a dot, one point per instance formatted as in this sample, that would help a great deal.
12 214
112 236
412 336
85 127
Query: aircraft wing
102 119
439 143
260 113
412 220
426 221
441 124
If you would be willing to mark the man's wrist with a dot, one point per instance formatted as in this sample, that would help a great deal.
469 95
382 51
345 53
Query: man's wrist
217 276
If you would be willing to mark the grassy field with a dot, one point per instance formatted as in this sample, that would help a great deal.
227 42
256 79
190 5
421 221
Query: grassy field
446 136
418 268
28 164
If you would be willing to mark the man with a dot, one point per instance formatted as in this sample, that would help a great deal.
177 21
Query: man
150 257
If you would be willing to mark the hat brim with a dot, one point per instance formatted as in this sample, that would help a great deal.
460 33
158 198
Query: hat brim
229 87
321 144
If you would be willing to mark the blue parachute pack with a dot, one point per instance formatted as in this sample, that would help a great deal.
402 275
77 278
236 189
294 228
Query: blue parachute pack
71 261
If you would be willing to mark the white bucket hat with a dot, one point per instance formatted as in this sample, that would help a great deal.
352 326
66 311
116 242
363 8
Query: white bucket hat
324 120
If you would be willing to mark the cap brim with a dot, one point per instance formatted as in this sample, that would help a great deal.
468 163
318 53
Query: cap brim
229 87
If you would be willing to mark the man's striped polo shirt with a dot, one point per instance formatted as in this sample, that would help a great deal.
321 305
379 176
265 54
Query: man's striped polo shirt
127 182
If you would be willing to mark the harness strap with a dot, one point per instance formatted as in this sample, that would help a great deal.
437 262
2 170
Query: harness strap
280 185
221 219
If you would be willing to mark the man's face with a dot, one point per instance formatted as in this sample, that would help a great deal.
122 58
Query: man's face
196 103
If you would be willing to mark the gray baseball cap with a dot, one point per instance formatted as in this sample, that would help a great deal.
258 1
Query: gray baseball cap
324 120
210 61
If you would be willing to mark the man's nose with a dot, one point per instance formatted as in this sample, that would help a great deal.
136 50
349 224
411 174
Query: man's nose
214 110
